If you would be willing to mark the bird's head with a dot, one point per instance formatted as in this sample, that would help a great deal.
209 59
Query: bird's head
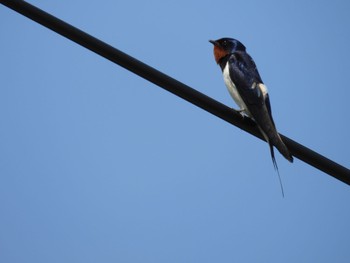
226 46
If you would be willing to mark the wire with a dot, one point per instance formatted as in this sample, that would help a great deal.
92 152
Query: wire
172 85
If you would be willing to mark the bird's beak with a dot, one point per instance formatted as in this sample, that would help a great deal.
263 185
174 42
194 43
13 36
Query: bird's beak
213 42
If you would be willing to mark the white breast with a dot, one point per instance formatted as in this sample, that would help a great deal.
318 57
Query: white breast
233 90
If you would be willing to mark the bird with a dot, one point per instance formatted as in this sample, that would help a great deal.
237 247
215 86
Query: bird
247 89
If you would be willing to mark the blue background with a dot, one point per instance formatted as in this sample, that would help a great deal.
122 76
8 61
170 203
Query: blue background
99 165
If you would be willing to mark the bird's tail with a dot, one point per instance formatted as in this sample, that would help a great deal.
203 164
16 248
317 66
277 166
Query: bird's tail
275 140
281 147
275 166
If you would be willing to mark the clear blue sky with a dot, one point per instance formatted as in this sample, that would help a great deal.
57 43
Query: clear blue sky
99 165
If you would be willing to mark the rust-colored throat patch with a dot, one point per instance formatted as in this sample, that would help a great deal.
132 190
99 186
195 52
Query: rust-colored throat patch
219 53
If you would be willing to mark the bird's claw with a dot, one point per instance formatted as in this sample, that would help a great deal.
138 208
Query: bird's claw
241 112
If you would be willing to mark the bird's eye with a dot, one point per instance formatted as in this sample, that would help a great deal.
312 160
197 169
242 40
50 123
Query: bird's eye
224 44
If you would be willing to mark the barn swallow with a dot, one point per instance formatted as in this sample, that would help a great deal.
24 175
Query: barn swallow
247 89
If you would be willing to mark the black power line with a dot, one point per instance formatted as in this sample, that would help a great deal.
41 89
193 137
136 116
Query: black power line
172 85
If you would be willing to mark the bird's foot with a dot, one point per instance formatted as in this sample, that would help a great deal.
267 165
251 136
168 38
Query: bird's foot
242 112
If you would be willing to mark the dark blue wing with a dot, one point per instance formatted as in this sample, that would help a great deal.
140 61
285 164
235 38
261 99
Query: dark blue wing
244 74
